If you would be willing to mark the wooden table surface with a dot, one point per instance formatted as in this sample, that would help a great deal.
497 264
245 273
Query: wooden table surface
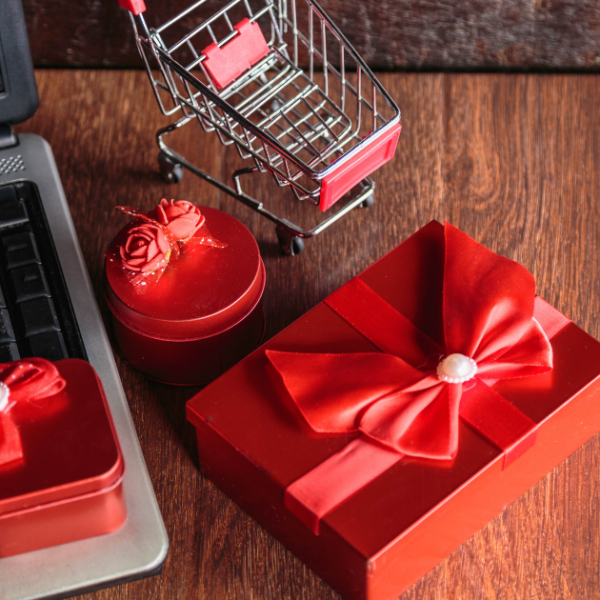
513 160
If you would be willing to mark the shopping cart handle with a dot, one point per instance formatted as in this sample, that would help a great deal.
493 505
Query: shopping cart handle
133 6
361 165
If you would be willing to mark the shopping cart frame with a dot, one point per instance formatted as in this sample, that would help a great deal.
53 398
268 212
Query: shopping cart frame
171 163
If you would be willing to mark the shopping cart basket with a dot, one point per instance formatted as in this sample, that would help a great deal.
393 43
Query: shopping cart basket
280 82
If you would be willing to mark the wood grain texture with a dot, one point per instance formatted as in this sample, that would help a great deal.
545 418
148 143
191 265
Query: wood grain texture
389 34
511 160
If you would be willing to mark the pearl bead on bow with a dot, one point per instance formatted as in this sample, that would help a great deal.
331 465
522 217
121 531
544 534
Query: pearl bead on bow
4 396
456 368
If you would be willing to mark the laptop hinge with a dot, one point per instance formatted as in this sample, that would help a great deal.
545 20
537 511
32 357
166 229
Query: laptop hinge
7 136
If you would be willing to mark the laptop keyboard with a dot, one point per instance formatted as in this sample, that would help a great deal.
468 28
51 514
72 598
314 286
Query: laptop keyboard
36 316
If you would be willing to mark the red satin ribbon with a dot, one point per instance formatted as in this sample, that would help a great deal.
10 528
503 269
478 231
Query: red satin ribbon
395 399
29 381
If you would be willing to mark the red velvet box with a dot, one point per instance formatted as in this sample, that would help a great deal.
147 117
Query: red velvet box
66 485
253 442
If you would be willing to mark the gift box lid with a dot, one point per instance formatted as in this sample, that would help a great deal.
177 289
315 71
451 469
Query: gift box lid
250 409
202 292
70 447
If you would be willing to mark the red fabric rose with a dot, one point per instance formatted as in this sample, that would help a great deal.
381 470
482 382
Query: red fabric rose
180 217
149 247
145 249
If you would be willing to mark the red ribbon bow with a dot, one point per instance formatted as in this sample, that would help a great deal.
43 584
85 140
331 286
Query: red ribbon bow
398 399
488 316
30 381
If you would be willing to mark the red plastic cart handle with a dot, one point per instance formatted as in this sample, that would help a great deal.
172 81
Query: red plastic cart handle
336 184
133 6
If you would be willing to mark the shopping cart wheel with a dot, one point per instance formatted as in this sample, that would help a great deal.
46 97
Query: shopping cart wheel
368 202
290 245
297 245
170 171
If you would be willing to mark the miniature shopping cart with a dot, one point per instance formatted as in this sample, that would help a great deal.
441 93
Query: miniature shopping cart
277 80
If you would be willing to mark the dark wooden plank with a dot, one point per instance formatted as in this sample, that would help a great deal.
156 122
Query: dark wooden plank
389 34
512 160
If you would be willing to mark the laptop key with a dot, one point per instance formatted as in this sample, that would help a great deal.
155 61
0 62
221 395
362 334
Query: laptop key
7 333
39 316
9 352
12 209
20 249
29 282
49 345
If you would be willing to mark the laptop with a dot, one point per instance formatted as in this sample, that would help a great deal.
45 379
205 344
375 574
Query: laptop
48 309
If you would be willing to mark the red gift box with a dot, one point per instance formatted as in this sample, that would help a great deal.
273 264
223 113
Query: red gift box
61 466
203 314
316 434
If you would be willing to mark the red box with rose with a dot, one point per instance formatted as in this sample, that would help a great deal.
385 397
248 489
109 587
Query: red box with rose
386 426
184 285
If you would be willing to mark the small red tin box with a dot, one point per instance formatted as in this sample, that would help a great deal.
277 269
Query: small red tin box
195 314
381 430
61 468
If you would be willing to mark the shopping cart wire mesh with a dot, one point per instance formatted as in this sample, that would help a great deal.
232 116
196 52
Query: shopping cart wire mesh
278 81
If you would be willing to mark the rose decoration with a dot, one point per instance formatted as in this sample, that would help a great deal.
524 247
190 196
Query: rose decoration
145 249
180 217
159 238
23 381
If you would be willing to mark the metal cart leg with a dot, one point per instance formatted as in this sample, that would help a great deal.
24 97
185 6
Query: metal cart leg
170 170
290 244
368 202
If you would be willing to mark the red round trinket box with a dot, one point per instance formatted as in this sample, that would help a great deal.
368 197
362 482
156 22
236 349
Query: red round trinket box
202 315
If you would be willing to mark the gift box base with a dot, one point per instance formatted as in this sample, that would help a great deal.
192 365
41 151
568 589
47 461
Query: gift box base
190 362
62 522
387 573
